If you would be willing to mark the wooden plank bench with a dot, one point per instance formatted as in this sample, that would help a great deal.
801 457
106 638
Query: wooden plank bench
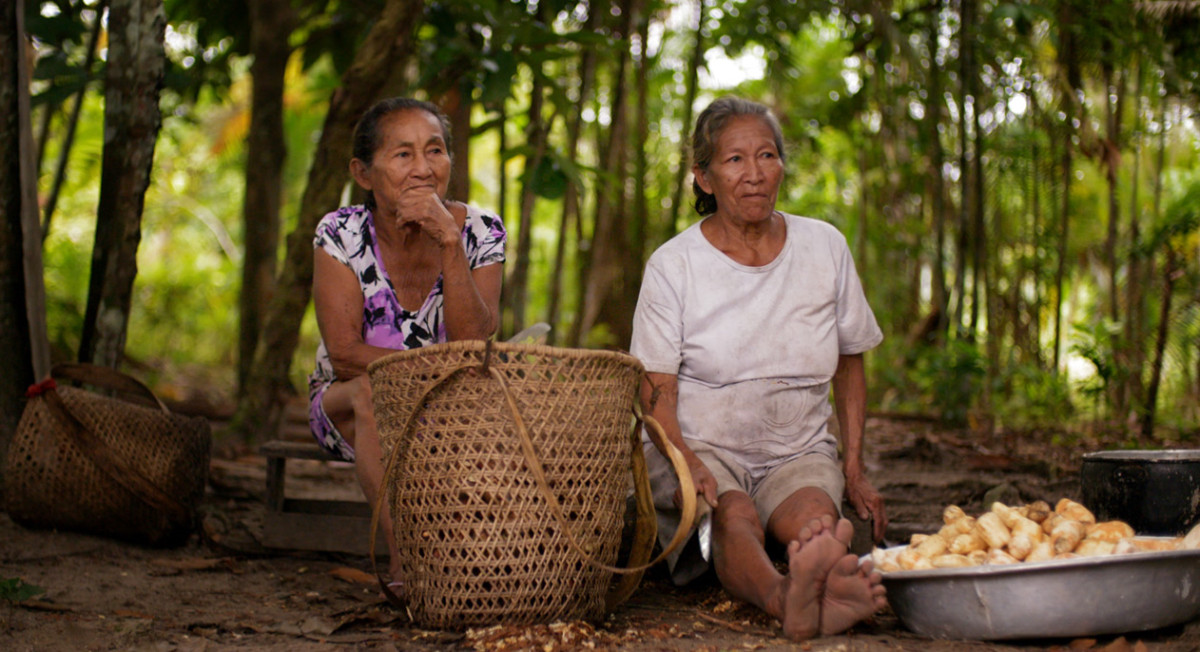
328 525
312 524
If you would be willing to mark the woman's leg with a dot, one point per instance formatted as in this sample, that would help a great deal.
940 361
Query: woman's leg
747 572
349 406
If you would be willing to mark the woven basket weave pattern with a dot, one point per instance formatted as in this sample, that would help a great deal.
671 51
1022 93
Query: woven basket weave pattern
478 542
51 482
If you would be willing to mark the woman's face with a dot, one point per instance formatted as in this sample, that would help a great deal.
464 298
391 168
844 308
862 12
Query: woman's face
411 157
745 172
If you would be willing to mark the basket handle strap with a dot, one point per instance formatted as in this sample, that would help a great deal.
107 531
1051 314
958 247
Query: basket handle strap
108 378
539 476
393 459
646 526
113 466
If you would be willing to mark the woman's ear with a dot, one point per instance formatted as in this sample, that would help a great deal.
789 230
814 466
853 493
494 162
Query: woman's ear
701 179
359 170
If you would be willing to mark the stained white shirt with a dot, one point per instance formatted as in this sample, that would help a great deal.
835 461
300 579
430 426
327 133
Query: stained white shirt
754 348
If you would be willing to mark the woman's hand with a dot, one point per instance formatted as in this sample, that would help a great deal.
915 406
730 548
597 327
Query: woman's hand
867 502
703 479
425 210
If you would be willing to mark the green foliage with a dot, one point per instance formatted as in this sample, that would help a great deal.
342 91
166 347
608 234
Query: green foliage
15 589
1096 342
1030 397
951 378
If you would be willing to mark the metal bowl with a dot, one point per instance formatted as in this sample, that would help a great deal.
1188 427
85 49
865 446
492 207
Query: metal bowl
1086 596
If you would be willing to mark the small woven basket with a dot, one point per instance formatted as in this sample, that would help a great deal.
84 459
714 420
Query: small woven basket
121 466
508 471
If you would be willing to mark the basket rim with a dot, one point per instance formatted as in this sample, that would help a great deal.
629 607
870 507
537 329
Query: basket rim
467 346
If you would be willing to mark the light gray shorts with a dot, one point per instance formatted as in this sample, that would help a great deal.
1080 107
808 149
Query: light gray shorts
812 470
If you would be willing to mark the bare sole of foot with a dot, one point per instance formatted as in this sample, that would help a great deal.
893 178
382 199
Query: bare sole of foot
810 559
852 593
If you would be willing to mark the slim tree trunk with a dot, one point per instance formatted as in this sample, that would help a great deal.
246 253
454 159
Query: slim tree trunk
387 45
271 22
20 252
639 228
1134 290
966 70
604 275
457 105
136 62
1064 216
693 83
60 170
1035 164
979 263
937 182
535 139
570 207
1160 344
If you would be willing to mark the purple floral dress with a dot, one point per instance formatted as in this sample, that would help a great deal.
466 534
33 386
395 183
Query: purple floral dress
348 235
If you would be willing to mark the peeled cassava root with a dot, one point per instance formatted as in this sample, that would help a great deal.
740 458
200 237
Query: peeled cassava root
1010 535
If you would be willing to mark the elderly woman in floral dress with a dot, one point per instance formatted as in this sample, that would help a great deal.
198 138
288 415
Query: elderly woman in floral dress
406 269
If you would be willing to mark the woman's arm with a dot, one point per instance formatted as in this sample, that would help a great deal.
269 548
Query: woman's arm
850 402
471 298
660 398
338 302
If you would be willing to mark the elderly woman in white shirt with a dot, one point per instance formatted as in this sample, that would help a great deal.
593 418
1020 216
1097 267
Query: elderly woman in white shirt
745 321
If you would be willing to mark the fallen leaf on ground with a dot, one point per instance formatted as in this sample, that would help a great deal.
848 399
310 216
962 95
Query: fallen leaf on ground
353 575
1082 644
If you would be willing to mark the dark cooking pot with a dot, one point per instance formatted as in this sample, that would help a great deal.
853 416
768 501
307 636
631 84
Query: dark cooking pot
1155 492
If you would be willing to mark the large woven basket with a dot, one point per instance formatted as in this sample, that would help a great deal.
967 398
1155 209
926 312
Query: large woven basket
507 476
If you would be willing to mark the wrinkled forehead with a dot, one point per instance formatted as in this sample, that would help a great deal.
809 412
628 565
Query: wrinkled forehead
743 130
411 126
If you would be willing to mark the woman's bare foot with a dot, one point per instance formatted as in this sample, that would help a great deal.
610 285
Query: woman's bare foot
852 593
810 560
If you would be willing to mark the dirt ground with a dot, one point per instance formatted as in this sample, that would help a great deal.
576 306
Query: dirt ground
223 590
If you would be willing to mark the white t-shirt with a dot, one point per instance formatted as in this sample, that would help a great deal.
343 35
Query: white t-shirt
754 348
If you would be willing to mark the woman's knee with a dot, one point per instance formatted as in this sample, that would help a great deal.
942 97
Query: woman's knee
360 395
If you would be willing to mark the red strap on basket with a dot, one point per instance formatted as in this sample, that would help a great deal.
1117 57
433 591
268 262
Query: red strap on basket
37 389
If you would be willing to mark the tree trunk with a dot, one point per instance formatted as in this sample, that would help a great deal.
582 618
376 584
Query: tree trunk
136 62
966 70
271 22
1071 79
685 147
570 207
535 139
1064 217
386 47
979 264
60 171
604 274
18 211
639 228
1160 344
457 105
1135 308
937 182
1035 163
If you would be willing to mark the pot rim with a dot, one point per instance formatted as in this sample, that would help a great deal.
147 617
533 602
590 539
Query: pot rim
1145 456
